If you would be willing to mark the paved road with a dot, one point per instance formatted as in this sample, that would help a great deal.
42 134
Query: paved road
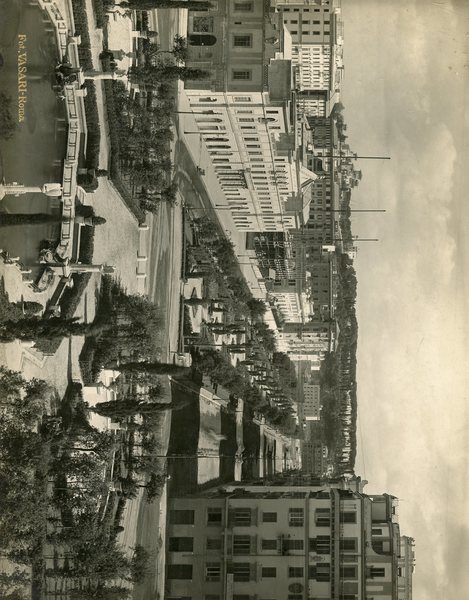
164 288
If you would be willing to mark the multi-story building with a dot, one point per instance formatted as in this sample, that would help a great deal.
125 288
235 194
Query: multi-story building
316 29
314 457
249 141
274 254
324 540
405 568
307 22
244 114
312 401
306 341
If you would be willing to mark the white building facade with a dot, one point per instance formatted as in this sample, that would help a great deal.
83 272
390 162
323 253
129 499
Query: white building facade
252 152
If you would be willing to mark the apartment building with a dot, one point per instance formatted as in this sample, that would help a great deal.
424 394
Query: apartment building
323 540
308 341
405 568
316 30
314 457
308 23
312 401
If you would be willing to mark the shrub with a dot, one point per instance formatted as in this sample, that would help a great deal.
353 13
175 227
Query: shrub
92 125
86 245
81 27
99 13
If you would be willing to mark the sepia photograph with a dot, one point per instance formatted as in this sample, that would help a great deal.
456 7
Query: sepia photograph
234 334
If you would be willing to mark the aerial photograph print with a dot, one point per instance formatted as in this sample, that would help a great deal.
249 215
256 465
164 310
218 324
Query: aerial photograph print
234 299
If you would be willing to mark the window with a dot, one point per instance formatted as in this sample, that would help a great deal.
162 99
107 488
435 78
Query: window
179 572
289 544
320 572
241 544
214 515
377 572
181 517
269 572
242 41
181 544
295 571
246 6
202 25
296 517
349 557
241 517
376 531
349 572
269 544
350 544
246 119
320 544
212 597
323 517
213 543
242 75
241 571
242 99
212 571
348 517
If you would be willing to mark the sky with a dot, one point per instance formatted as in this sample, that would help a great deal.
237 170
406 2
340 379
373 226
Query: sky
405 86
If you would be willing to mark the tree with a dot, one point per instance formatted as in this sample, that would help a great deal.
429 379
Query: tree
197 301
156 368
168 194
8 125
179 50
133 406
257 307
30 308
101 592
153 74
32 328
139 563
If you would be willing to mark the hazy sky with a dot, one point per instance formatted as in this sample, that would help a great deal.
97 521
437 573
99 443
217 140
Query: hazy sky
406 74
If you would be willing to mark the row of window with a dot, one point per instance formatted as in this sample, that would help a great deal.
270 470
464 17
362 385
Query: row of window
305 10
245 516
245 571
244 544
306 32
297 596
307 22
248 572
